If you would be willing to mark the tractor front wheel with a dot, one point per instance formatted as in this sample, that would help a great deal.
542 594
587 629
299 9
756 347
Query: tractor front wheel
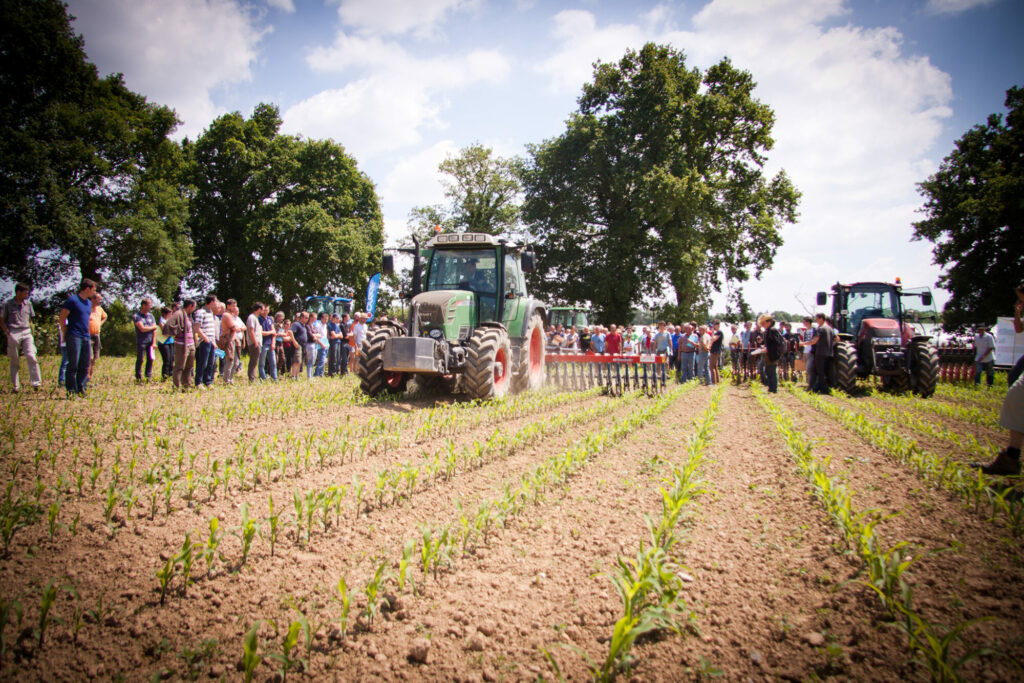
925 369
844 367
373 379
530 376
489 364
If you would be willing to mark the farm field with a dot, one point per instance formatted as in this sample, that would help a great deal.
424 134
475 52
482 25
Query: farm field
299 530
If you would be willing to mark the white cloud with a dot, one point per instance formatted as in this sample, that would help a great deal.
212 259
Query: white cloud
287 6
397 99
175 53
856 119
396 17
954 6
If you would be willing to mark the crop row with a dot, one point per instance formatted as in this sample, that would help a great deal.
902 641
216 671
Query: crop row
650 584
436 547
982 417
887 569
950 474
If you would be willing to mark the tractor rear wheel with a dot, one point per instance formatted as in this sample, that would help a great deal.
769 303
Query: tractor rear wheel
925 369
844 366
530 376
373 379
488 364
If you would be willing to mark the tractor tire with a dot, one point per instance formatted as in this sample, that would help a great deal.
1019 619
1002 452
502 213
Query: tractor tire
530 375
488 371
924 369
844 367
373 379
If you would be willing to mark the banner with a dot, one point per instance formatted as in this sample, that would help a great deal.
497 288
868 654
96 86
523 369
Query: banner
371 296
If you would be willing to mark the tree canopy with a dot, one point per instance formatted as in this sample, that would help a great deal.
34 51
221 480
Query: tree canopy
657 184
974 214
89 180
275 216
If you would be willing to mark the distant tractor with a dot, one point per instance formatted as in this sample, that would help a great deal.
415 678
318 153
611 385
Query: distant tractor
471 325
567 316
323 304
881 331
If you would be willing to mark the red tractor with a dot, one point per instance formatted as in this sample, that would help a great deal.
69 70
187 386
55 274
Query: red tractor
883 330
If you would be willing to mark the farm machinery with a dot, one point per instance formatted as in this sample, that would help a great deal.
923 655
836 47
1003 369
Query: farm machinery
568 316
323 304
472 324
880 331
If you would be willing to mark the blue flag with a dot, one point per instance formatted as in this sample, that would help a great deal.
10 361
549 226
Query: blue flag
371 296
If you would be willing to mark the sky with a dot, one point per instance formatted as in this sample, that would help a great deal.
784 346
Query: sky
869 95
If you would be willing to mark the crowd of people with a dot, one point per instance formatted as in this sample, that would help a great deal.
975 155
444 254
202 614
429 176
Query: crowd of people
762 349
195 343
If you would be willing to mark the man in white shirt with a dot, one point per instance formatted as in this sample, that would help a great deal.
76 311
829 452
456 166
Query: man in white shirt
984 355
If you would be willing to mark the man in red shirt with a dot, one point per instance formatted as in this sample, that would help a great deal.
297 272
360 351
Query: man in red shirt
613 341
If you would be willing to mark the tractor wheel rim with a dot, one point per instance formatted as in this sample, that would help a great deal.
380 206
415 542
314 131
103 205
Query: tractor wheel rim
536 351
393 379
500 367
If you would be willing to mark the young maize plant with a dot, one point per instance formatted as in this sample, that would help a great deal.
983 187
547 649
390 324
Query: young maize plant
981 417
952 475
886 568
250 652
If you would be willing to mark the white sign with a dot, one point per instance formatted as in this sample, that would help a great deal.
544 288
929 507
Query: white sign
1009 345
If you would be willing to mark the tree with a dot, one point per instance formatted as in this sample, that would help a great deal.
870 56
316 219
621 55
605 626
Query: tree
974 215
275 216
656 183
89 181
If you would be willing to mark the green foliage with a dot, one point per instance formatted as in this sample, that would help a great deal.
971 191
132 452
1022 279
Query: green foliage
276 213
657 180
974 216
89 181
250 652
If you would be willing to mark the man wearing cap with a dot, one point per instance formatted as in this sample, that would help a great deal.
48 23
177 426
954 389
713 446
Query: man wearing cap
984 355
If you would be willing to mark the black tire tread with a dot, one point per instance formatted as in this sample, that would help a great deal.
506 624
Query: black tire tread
926 369
478 377
521 378
370 367
844 361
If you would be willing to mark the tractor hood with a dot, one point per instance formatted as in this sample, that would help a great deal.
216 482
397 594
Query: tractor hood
446 309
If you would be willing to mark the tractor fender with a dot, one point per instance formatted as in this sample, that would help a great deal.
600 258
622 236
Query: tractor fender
397 327
534 307
920 339
495 324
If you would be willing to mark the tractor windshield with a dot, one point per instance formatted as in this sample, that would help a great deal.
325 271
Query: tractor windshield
472 269
924 319
870 301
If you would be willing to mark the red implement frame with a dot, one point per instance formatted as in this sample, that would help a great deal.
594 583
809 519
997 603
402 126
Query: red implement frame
618 373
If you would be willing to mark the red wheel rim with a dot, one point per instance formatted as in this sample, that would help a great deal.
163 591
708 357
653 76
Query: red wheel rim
500 367
536 351
393 379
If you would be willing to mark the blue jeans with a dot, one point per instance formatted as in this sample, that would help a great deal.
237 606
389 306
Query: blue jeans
206 363
268 363
63 365
771 377
703 369
321 358
988 368
686 368
79 351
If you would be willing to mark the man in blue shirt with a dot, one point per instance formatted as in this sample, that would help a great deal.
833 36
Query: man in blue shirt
74 327
597 340
334 352
268 354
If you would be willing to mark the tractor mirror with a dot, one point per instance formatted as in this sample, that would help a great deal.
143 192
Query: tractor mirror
529 261
389 264
926 299
822 298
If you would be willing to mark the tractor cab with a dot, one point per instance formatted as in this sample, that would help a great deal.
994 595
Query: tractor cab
323 304
567 316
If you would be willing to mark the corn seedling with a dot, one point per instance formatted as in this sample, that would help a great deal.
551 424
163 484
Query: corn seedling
250 652
374 594
284 658
346 604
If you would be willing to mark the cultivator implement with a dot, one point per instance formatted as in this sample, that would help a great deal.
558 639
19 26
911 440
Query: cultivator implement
617 373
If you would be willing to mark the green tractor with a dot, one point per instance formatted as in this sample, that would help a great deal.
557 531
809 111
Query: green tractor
567 316
471 325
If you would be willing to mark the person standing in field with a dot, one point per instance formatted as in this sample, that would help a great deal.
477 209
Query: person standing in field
206 332
254 339
613 340
323 342
984 356
774 347
97 317
717 337
703 355
165 345
226 340
299 337
16 323
179 327
822 343
1011 415
74 326
334 341
358 335
268 347
145 340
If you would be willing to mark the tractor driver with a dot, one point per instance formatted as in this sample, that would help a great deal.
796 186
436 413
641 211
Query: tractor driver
472 278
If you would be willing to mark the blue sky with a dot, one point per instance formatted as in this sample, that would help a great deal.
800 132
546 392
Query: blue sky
869 95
